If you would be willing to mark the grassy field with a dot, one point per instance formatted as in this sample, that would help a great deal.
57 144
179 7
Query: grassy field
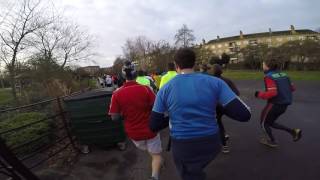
294 75
5 96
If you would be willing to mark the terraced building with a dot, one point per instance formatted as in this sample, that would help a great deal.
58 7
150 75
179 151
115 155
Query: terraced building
232 45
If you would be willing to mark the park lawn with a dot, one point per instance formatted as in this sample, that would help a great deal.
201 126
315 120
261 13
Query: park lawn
5 96
254 75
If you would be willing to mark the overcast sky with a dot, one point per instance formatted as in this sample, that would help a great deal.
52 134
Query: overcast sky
113 21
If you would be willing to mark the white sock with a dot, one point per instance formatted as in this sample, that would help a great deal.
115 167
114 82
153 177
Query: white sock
155 175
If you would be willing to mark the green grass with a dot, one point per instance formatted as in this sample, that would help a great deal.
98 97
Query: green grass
5 96
258 75
18 137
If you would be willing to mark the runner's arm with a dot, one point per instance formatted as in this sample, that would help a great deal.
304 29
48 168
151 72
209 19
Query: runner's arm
115 117
158 121
271 89
114 110
237 110
233 106
293 87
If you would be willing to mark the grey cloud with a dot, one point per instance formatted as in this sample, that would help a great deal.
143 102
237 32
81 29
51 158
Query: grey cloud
115 21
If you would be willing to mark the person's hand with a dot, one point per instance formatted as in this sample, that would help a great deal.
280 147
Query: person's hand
256 94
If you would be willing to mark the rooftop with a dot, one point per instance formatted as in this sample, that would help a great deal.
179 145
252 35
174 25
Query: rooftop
263 34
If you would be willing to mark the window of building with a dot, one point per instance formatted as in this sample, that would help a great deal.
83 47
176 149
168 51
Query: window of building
312 37
232 44
253 42
290 38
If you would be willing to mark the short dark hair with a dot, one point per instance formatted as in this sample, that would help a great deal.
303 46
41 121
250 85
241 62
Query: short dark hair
140 73
128 71
217 70
185 58
171 66
272 63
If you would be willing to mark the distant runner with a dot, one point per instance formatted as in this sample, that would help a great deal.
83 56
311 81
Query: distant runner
169 75
141 78
279 96
146 80
134 102
224 137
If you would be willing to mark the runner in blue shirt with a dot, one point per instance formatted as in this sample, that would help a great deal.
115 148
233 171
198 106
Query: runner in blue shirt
190 99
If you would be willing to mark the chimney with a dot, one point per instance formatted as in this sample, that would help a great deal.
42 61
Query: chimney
293 31
203 41
241 34
218 38
270 31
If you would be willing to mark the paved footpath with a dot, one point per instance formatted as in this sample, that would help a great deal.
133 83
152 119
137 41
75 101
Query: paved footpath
248 160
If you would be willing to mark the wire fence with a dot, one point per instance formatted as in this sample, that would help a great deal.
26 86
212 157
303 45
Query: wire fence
32 135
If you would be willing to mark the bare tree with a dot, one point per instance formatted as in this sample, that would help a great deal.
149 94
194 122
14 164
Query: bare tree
161 54
138 50
47 41
63 42
17 25
117 65
184 37
76 44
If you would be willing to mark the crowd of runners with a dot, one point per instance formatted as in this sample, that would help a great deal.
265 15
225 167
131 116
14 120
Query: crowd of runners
192 104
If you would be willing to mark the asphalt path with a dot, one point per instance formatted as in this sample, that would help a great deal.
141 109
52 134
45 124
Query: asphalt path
248 158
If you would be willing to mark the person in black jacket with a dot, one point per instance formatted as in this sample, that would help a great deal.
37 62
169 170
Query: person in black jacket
219 110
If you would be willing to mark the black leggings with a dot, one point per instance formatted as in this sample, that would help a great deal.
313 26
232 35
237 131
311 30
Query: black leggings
221 129
191 156
219 114
268 117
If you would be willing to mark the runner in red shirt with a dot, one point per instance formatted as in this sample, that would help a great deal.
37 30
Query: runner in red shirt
134 103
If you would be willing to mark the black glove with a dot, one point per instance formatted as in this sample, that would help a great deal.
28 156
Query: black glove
256 94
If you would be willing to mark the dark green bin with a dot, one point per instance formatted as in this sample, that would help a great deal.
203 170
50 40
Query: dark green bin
89 121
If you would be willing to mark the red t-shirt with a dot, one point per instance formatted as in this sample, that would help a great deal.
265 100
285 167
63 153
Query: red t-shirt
134 102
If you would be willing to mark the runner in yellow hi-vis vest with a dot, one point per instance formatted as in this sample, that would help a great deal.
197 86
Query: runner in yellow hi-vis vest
141 79
169 75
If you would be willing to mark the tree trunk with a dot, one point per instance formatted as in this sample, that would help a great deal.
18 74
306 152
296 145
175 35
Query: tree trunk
13 85
2 81
2 84
65 61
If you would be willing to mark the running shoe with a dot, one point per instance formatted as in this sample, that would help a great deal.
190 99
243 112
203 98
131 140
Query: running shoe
226 137
297 134
225 149
122 146
268 143
152 178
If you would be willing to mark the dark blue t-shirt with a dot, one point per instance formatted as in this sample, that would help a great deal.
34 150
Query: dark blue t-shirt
190 100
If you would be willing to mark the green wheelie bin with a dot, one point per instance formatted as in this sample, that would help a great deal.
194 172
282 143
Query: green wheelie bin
89 121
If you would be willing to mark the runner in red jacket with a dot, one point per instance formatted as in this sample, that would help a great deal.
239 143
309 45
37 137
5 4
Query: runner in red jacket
278 94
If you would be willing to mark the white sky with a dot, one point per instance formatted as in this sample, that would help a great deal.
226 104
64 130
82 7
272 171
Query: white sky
111 22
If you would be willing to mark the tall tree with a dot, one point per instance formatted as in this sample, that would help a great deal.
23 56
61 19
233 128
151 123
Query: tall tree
17 26
76 44
254 55
301 51
184 37
138 50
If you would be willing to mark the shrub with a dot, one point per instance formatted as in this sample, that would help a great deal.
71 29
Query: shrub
16 138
